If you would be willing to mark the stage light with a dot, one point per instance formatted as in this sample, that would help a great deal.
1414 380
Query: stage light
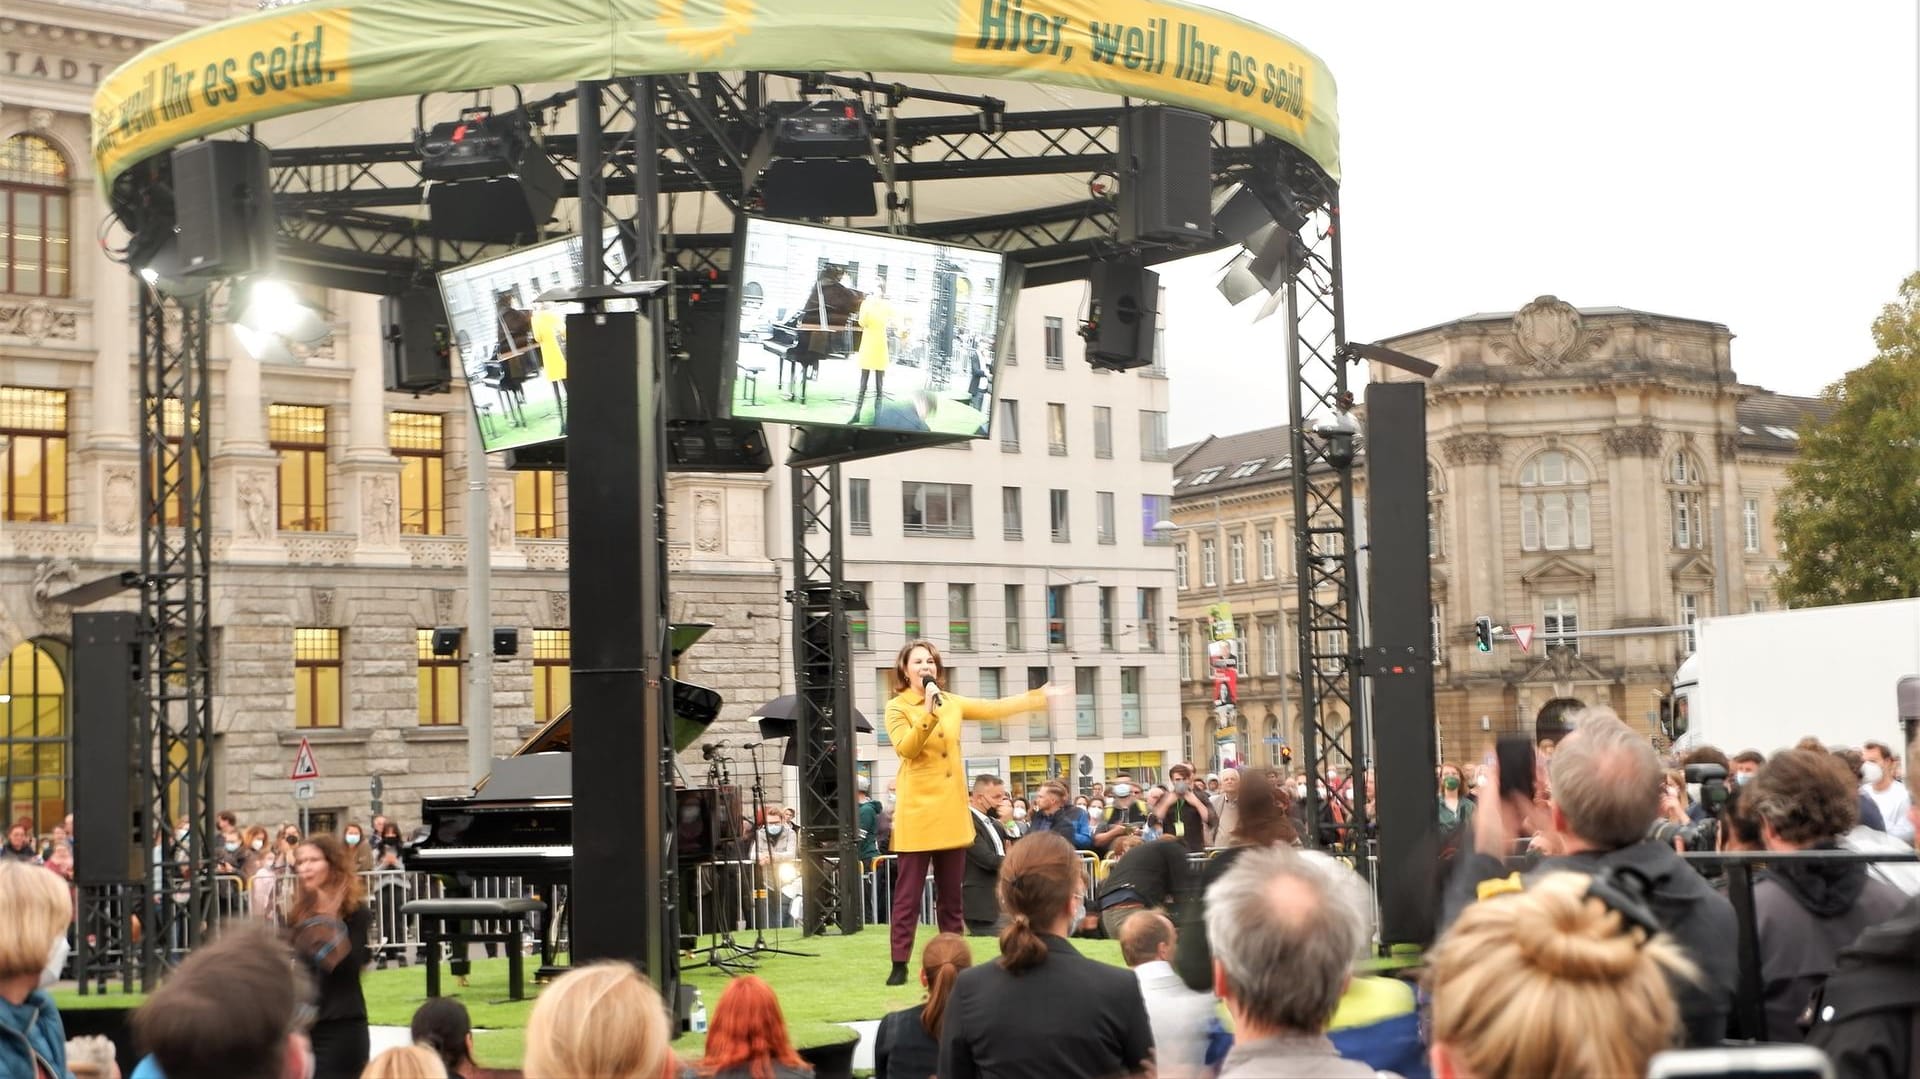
272 307
1339 432
264 347
1237 282
489 178
160 265
816 160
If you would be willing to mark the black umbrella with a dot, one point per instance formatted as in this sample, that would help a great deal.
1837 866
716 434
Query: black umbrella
777 719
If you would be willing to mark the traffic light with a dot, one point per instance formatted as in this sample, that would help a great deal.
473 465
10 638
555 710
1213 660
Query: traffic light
1483 633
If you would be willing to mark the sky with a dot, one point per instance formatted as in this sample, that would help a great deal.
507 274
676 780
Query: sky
1748 162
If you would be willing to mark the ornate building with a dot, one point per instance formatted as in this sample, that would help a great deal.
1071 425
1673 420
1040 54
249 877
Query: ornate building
1592 469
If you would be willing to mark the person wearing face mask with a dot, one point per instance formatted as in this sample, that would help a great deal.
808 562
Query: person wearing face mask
1128 813
259 871
1878 782
1183 810
34 914
1456 810
1042 1008
776 849
358 847
1019 818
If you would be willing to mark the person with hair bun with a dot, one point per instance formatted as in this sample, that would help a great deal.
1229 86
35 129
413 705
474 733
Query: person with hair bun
1043 1011
1551 981
1806 911
908 1043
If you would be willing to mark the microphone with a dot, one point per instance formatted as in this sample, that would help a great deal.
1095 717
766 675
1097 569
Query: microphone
932 690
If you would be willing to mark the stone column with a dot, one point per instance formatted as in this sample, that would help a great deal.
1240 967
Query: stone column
370 473
107 459
1479 588
245 469
1639 533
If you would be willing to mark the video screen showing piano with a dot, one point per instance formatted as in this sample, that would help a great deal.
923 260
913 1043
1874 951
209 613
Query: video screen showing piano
849 328
511 346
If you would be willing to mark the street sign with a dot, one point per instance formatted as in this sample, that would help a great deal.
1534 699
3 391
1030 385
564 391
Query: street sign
303 791
303 765
1523 636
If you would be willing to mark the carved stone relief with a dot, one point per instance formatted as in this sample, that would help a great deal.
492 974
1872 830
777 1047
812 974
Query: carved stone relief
254 501
443 606
38 322
500 514
50 578
120 498
706 520
380 510
1476 449
323 606
1729 447
1642 441
559 612
1549 334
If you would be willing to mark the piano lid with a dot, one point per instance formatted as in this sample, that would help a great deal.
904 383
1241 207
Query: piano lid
694 707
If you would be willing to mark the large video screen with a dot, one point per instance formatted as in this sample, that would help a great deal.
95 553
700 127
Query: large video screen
511 346
846 328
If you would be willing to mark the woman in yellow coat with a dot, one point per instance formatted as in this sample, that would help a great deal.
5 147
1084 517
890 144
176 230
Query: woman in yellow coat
876 333
932 825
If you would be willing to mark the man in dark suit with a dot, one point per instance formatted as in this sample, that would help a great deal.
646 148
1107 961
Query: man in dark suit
989 849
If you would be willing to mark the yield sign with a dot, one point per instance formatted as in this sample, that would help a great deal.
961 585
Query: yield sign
303 766
1522 635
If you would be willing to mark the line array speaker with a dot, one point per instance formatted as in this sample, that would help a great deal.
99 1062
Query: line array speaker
106 669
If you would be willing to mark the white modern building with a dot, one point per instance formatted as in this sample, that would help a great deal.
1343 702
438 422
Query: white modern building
1027 557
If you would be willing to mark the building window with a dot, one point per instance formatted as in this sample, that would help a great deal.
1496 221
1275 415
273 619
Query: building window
1687 503
1750 524
1560 622
1010 526
299 434
1012 596
1434 521
1247 468
535 505
1148 613
1240 645
1186 657
1438 640
552 673
1086 702
1269 555
910 610
1103 515
316 678
1153 435
1237 558
1180 567
34 231
1690 610
860 507
1056 429
1057 596
33 734
1155 510
1209 564
960 617
1057 515
857 635
993 681
1756 604
1109 598
882 693
1269 647
33 446
1040 723
1009 426
1555 511
1102 431
419 440
439 689
936 509
1132 721
1055 342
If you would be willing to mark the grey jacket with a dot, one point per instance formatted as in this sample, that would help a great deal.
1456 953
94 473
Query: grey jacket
1292 1056
1804 914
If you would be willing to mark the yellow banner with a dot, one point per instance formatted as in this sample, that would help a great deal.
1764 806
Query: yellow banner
1214 62
225 76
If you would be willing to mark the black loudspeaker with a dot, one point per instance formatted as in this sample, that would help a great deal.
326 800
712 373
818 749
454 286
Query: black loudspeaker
446 641
506 642
501 209
700 369
419 357
223 206
106 671
1166 175
1122 314
822 187
1399 662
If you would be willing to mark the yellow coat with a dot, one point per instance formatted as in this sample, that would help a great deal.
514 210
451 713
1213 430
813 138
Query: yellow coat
930 793
547 327
876 318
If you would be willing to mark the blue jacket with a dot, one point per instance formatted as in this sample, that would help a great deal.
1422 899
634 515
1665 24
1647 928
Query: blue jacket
1071 823
30 1030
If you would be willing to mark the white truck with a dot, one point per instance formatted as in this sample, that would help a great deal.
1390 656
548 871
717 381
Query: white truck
1764 681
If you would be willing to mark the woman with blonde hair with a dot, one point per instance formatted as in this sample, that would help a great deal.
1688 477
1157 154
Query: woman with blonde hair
932 822
406 1062
601 1021
35 910
907 1045
1553 980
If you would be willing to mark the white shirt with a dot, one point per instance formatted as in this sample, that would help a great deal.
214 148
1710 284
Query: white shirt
993 830
1179 1017
1894 803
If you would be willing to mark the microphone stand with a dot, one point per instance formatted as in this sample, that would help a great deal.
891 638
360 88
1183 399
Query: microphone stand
722 951
761 895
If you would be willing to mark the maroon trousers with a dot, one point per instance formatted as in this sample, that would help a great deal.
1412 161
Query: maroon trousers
949 867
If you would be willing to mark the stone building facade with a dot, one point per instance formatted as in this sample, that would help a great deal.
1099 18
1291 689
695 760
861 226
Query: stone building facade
1590 469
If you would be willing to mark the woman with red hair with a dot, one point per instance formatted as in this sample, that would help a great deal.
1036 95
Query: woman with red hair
748 1037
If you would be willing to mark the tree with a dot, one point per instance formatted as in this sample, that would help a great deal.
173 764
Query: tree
1850 514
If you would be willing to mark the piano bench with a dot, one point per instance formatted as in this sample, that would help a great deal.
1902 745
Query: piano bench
441 920
752 377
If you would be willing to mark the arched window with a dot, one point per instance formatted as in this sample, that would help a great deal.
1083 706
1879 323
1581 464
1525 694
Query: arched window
1556 513
33 745
1436 510
1686 502
35 255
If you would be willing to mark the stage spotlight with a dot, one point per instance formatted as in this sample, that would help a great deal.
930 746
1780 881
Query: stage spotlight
160 265
1237 282
268 306
815 159
264 347
1339 432
489 179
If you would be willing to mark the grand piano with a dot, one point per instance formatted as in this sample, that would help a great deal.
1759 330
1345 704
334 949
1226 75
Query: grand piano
518 821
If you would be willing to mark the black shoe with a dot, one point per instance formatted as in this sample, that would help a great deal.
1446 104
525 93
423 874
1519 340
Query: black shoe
899 975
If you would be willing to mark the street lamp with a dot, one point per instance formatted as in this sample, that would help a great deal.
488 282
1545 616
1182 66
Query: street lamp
1053 759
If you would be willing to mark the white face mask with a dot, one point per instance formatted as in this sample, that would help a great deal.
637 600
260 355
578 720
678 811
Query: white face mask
231 847
1299 790
56 961
775 829
1019 812
353 841
1872 773
259 843
1121 790
1741 779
